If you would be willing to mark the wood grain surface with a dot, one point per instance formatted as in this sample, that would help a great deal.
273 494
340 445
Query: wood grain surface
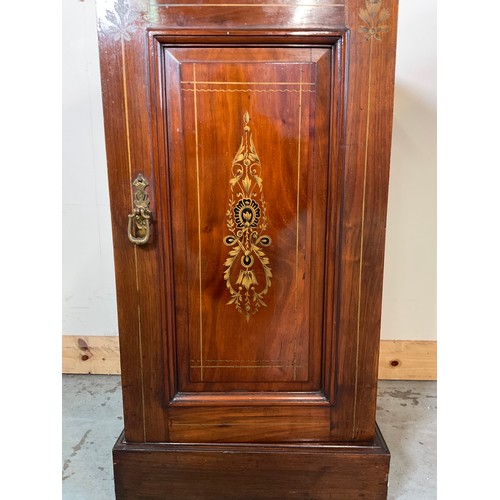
316 84
275 344
334 472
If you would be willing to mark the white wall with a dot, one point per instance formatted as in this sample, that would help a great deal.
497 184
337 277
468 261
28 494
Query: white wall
89 296
409 303
409 300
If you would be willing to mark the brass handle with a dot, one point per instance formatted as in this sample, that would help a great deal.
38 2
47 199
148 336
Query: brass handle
140 219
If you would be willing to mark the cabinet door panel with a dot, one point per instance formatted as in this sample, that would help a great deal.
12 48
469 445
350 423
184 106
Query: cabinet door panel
248 140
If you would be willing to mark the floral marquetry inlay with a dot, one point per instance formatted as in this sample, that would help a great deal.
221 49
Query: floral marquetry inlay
247 222
124 19
374 17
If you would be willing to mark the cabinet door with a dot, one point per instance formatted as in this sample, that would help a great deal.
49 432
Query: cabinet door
248 134
256 159
246 170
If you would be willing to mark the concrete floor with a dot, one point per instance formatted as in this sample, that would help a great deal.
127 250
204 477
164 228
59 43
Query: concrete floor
93 419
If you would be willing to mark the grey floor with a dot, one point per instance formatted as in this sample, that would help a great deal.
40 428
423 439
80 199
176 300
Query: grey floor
93 419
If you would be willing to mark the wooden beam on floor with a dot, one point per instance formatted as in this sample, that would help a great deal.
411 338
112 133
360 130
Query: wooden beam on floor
399 359
408 360
93 354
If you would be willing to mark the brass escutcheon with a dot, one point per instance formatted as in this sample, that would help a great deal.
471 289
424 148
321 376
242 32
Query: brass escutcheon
140 219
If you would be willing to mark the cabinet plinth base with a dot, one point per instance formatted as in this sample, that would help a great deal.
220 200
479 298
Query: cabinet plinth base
251 471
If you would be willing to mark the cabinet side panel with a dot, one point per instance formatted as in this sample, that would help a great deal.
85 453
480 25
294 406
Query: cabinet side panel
128 130
371 64
112 71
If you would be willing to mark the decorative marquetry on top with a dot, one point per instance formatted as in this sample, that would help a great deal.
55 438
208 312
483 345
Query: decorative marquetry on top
374 17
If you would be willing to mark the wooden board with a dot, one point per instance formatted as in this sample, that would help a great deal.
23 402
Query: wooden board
93 354
399 359
408 360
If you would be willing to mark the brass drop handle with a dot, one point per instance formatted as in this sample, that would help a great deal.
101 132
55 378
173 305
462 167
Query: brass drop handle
140 219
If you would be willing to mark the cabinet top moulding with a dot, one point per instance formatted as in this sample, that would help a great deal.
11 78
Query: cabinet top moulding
121 18
236 37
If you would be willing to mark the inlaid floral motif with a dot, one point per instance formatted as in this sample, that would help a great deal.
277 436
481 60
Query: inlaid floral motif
247 221
374 17
122 20
247 213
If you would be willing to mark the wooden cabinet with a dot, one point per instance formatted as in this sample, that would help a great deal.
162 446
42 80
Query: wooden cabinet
248 151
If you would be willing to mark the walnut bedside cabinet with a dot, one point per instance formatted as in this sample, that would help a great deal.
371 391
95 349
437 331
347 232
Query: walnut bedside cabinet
248 147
